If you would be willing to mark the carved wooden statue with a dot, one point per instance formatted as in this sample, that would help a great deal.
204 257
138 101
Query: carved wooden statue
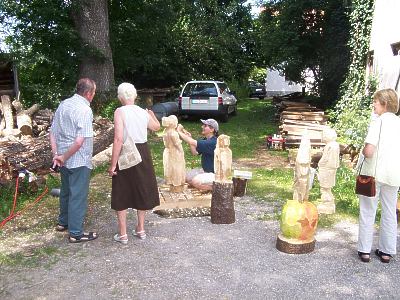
302 170
222 204
173 156
222 159
327 167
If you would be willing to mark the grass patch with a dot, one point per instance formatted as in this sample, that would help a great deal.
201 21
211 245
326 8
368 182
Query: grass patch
271 185
25 194
345 198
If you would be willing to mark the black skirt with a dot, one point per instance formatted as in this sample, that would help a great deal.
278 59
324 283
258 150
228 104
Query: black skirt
136 187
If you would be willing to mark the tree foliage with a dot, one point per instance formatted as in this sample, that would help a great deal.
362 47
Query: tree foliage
353 110
45 46
154 43
306 34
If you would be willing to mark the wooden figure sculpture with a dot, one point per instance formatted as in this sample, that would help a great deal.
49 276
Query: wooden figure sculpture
299 217
327 167
222 159
222 204
302 170
173 156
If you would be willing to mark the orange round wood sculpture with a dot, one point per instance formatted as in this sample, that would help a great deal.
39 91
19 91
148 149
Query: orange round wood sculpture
298 224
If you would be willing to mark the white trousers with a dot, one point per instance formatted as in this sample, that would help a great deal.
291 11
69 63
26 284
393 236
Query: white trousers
388 228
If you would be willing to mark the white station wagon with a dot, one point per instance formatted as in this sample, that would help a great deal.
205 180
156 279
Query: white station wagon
207 99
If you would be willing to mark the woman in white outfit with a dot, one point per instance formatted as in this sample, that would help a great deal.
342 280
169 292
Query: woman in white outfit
134 187
382 161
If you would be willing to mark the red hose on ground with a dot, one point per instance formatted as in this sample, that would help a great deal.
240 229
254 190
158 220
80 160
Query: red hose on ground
12 214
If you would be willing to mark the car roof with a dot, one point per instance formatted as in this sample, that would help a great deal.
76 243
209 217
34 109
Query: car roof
204 81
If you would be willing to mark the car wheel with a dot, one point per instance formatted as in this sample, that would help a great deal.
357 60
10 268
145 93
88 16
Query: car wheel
234 113
224 117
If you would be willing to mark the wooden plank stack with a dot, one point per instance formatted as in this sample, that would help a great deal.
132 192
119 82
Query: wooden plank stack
295 117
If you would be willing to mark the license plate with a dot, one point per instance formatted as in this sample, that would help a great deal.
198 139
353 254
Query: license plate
198 101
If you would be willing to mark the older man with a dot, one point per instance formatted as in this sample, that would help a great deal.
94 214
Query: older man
71 139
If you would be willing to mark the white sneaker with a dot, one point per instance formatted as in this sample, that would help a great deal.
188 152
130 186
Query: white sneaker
118 238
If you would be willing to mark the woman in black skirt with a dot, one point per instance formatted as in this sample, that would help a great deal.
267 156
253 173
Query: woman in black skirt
134 187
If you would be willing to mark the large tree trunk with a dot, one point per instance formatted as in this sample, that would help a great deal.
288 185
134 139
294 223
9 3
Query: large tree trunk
91 21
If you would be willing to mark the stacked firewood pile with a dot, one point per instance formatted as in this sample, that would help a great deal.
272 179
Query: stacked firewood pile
295 117
20 123
24 138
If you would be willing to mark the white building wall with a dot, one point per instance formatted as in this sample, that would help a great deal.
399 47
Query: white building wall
386 31
277 85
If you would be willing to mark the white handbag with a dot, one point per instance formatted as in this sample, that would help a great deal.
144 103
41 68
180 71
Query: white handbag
129 155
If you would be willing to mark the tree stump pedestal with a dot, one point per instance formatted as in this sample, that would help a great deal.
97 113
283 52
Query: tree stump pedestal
294 246
239 186
222 205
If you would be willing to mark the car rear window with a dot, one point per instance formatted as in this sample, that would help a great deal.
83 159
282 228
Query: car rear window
200 89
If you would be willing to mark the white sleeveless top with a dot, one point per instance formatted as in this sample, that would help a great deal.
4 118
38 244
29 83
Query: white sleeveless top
136 120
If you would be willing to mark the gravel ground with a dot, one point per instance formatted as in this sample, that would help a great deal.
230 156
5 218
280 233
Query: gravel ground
191 258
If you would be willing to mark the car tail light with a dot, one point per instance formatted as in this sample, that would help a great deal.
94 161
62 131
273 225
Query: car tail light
220 100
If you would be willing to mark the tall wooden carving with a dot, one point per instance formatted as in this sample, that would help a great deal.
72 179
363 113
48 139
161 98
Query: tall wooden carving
222 205
173 156
299 216
327 167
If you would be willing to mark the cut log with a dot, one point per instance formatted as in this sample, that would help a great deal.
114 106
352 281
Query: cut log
7 112
222 205
297 138
24 123
239 186
317 118
24 120
294 246
294 104
33 109
311 124
35 154
11 133
17 106
290 144
304 113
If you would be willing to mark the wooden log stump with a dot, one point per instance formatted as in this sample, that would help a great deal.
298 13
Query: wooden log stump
24 123
24 117
7 112
239 186
294 246
222 205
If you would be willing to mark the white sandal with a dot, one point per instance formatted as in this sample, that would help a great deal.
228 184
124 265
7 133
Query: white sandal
140 234
119 238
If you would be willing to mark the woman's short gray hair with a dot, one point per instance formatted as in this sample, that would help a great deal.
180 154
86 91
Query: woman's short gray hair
127 91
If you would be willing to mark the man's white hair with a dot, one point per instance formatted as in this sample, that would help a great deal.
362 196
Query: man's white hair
127 91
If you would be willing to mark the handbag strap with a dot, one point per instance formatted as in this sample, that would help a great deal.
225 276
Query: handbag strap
377 149
124 122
